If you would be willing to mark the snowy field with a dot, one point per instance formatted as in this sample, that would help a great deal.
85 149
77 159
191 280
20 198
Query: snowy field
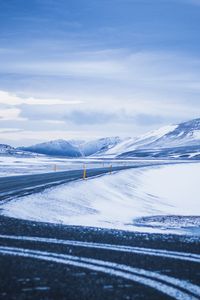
15 165
151 199
12 165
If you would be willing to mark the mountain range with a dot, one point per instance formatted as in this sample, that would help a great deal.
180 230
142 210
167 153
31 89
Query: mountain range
74 148
181 140
11 151
173 141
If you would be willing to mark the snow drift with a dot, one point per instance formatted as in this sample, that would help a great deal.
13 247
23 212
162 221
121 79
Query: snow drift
120 200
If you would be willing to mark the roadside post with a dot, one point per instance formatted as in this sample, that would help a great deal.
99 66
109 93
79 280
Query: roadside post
55 168
84 172
110 169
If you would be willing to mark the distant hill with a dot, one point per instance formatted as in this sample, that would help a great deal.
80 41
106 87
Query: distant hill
55 148
4 149
173 141
7 150
99 146
73 148
181 140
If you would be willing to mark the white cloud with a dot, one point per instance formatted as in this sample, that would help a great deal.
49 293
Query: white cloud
10 114
12 99
75 68
120 66
98 68
27 137
9 130
142 86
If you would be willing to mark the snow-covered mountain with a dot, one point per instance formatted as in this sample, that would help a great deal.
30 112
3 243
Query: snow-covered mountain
73 148
131 144
5 149
173 141
56 148
184 134
96 147
180 136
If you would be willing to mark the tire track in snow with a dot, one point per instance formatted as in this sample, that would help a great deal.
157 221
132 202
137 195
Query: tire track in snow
120 248
173 287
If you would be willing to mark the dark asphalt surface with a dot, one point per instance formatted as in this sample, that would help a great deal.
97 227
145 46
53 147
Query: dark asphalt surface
28 278
26 273
21 185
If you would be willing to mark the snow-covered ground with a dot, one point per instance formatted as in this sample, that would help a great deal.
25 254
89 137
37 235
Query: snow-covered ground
12 165
155 199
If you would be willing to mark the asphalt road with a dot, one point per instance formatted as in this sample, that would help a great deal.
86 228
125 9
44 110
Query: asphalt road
51 261
21 185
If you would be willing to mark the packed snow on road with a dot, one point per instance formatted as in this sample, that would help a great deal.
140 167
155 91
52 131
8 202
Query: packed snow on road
151 199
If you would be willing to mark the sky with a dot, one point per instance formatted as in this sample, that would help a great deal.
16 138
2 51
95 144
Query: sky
84 69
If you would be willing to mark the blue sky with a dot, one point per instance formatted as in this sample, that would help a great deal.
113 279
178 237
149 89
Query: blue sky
93 68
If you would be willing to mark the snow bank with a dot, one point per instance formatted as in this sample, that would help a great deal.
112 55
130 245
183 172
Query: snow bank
116 201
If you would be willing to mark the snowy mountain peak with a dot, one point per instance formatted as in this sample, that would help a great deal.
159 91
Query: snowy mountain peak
96 147
57 147
185 134
73 148
5 148
195 124
182 138
131 144
188 129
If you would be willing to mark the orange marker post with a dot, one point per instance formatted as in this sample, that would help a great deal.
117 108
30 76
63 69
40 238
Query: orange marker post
84 172
110 169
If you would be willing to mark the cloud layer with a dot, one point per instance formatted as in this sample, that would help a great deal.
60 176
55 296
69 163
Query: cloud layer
90 68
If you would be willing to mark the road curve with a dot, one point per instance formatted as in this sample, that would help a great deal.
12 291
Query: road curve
17 186
50 261
21 185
